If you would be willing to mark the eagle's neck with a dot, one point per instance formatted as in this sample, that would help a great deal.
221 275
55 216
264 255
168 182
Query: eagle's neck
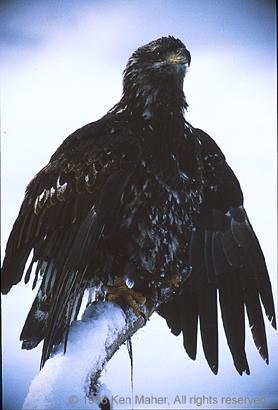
156 115
154 102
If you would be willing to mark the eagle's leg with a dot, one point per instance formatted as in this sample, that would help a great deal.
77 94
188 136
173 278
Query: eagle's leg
125 296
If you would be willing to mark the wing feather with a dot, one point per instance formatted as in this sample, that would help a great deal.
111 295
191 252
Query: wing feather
225 254
232 310
207 305
188 305
66 208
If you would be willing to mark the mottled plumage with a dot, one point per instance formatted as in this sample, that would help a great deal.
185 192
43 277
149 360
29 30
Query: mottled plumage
142 195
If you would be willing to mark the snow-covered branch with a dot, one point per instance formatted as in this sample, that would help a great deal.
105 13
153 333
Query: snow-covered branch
71 380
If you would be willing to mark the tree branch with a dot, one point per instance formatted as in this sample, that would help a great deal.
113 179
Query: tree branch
133 324
71 380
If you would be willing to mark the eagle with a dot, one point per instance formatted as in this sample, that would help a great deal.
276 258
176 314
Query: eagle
135 203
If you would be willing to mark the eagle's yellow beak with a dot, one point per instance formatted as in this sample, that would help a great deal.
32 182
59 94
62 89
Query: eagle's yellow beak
182 56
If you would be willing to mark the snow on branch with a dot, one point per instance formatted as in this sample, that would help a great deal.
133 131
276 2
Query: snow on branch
71 380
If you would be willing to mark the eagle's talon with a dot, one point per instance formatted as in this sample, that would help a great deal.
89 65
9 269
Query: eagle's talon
126 297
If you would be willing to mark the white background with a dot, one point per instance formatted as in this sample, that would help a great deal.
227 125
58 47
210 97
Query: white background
61 65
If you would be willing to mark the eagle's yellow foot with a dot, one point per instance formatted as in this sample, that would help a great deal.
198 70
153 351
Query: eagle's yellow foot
125 296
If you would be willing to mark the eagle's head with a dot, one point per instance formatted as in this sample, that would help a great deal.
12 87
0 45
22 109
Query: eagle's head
158 61
157 66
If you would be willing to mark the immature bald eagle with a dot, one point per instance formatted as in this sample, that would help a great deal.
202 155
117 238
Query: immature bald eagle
142 196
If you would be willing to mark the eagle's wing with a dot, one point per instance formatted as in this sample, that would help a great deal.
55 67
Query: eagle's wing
65 210
226 258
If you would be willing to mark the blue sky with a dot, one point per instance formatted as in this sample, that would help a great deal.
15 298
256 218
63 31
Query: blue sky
63 64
